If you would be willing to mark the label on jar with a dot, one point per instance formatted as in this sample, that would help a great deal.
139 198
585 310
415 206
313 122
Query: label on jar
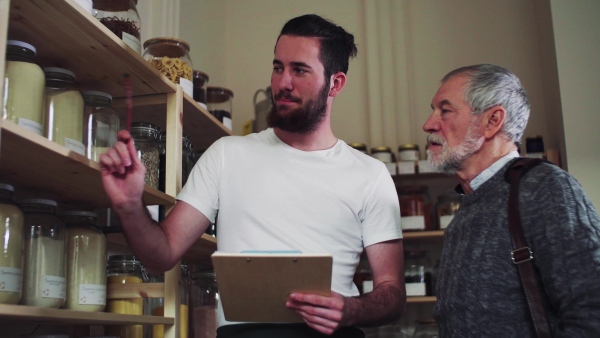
383 156
11 279
75 146
408 155
406 167
54 287
31 125
187 86
367 286
415 289
92 294
227 122
413 222
391 167
132 42
445 221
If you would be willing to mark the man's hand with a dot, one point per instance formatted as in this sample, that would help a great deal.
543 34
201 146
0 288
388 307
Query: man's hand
324 314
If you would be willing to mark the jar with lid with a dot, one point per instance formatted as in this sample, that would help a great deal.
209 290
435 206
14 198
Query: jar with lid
146 139
417 273
86 262
408 152
204 302
360 147
122 18
24 87
172 58
200 80
64 109
11 247
44 282
385 155
415 207
102 124
220 102
447 205
125 269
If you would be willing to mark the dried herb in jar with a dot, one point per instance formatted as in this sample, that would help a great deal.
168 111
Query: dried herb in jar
119 25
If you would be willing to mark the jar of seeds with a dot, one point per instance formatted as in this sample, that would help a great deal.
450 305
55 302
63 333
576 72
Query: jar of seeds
145 137
122 18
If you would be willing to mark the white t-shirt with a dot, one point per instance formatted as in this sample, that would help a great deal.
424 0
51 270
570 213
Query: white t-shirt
271 196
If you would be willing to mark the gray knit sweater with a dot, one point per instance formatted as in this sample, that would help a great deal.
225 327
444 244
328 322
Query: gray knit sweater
478 288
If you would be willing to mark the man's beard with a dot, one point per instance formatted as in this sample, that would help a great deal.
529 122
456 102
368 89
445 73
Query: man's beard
451 160
302 120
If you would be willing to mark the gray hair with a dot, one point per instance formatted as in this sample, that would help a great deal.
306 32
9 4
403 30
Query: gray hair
489 86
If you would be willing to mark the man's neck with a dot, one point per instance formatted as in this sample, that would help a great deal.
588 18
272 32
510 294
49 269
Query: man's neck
320 139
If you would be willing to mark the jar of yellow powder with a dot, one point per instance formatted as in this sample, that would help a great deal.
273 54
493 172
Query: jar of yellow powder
11 247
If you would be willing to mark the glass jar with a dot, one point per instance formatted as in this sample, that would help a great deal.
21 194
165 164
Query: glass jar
426 329
200 80
64 109
125 269
382 153
447 205
171 57
534 147
408 152
146 139
86 262
204 302
102 124
24 87
415 207
220 103
11 247
417 273
44 282
122 18
360 147
363 277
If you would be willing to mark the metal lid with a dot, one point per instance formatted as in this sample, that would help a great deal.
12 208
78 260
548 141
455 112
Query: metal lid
79 213
6 186
408 146
21 44
381 149
40 201
96 93
358 145
144 126
57 70
124 259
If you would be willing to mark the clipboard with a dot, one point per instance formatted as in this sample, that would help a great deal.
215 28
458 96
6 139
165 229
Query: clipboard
253 287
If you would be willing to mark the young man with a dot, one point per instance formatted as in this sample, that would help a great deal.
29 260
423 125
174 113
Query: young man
479 115
294 186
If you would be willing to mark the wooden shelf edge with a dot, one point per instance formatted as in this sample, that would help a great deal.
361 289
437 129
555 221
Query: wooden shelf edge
420 299
434 234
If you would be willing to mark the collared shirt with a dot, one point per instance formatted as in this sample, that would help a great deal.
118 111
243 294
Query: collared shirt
492 170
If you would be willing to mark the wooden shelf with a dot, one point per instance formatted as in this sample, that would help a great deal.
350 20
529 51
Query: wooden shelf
419 299
417 235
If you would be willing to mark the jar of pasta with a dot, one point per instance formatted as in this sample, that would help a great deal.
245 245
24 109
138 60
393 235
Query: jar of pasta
44 282
122 18
86 262
447 205
102 124
64 109
172 58
125 269
24 87
415 207
11 247
146 139
220 103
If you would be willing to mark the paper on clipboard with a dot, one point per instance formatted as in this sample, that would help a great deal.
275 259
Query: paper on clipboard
253 287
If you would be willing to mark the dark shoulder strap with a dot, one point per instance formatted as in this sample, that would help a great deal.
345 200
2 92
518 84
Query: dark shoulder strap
522 256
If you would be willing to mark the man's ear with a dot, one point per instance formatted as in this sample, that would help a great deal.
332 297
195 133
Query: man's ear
494 120
337 83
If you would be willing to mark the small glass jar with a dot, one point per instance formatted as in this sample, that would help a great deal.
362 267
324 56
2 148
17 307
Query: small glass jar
204 302
44 282
172 58
24 87
146 139
417 273
125 269
64 109
382 153
415 207
408 152
447 205
200 80
360 147
122 18
101 124
86 262
11 247
220 103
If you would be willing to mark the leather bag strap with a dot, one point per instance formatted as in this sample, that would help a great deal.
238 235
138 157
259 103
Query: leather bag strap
522 255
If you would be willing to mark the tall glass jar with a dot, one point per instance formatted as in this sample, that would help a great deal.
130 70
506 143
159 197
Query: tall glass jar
200 80
122 18
64 109
125 269
102 124
415 208
86 262
205 295
418 275
11 247
220 103
45 282
447 205
172 58
146 139
24 87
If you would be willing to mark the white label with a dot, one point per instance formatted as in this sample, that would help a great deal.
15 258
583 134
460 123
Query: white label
383 157
367 286
54 287
187 86
406 167
75 145
408 155
11 279
391 167
92 294
102 134
30 125
227 122
153 210
425 167
415 289
132 42
413 222
445 221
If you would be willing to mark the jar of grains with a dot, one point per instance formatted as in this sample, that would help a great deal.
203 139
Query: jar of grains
64 109
125 269
122 18
45 282
171 57
11 247
146 139
415 207
447 205
102 124
23 87
220 103
86 262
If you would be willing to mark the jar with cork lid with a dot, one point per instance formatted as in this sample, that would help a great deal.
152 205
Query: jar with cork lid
171 57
